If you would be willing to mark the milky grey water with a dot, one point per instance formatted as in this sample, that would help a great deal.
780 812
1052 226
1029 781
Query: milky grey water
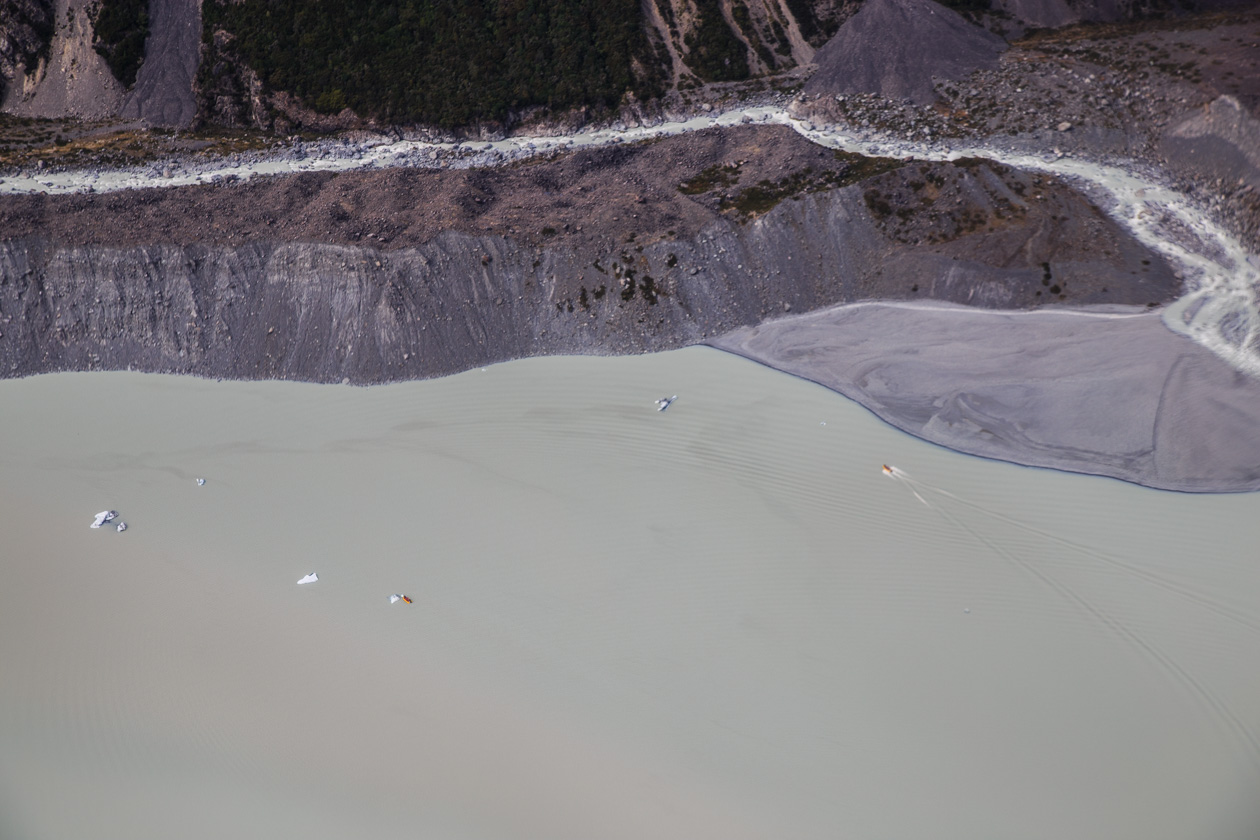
722 620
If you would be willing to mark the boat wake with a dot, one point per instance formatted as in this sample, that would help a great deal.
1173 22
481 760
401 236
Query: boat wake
1053 575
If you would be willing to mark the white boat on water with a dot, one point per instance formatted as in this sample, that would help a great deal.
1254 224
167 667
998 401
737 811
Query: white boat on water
665 402
103 517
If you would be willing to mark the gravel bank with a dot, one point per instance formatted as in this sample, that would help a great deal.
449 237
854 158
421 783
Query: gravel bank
1102 391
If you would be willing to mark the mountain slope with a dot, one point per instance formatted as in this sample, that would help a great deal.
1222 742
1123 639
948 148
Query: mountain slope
68 79
895 48
443 63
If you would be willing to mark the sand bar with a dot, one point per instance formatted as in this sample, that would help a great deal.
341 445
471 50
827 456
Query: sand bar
1103 391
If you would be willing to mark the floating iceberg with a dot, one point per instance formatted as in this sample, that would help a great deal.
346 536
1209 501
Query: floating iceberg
311 578
103 517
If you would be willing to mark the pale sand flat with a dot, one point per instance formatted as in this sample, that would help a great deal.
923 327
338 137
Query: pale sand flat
1104 392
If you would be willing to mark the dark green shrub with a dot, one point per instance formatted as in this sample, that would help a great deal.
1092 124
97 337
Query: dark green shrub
121 28
713 51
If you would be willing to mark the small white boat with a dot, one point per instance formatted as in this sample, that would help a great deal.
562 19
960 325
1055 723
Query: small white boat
201 482
311 578
665 402
394 599
122 526
103 517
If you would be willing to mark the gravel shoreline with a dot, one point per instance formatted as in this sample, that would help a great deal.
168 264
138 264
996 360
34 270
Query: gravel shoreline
1104 391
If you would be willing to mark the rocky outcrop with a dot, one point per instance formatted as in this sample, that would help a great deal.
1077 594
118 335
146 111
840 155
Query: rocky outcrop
72 81
1222 140
26 29
227 92
897 47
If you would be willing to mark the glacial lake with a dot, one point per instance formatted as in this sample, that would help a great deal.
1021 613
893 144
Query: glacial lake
723 620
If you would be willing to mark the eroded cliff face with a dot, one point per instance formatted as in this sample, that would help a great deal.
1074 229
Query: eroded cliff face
327 313
377 275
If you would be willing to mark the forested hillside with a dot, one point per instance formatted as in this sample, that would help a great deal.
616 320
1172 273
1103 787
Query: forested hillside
122 27
446 62
458 62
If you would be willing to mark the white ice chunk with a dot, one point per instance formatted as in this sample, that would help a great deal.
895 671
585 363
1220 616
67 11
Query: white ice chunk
311 578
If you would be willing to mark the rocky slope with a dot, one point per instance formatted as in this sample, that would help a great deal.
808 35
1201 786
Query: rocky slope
1179 94
26 28
686 49
770 35
930 42
163 92
69 79
603 251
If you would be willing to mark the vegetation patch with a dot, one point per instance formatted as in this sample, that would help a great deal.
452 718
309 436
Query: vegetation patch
877 204
805 19
27 141
442 62
121 29
713 51
743 19
29 34
939 203
716 176
765 195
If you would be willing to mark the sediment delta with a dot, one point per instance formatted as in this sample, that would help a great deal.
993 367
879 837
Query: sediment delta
1106 392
